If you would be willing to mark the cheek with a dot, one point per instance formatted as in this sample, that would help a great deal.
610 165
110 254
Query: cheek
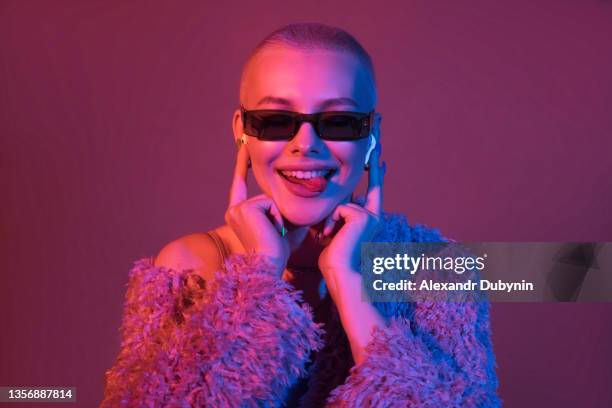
262 154
351 158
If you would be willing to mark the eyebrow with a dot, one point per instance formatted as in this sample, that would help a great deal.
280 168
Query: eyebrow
321 106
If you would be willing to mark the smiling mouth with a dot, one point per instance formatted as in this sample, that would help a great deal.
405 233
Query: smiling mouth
298 175
307 183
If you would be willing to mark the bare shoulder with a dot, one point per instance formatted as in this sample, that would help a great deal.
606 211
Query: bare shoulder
196 251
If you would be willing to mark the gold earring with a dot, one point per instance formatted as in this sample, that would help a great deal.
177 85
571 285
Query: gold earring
241 141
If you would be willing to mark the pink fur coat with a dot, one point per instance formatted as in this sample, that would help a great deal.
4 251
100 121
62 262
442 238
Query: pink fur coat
249 340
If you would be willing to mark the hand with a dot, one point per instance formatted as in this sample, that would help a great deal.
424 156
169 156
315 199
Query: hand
257 222
360 225
339 260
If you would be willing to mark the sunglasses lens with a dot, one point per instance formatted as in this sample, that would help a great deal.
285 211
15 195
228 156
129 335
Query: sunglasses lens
269 125
282 125
343 126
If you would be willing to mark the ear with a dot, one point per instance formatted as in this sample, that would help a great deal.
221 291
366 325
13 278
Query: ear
237 126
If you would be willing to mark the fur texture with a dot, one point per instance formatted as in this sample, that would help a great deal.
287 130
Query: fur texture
249 340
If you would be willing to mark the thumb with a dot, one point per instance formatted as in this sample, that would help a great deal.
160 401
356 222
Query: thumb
277 218
238 189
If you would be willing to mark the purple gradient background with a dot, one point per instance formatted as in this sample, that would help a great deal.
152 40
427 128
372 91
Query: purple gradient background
116 138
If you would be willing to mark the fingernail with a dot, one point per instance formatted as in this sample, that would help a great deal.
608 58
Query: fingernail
283 231
326 230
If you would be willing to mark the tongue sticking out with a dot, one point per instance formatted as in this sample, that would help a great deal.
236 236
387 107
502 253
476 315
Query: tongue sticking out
317 184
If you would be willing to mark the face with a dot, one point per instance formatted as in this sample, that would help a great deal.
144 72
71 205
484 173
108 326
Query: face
307 82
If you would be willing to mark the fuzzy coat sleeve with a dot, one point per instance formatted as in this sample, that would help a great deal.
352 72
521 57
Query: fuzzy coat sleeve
239 343
430 354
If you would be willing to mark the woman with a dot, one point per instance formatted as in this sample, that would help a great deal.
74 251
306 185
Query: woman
218 319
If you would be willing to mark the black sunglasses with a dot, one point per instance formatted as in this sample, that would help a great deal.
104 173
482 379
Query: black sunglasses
270 124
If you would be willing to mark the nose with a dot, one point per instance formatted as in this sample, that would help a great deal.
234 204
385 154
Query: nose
306 141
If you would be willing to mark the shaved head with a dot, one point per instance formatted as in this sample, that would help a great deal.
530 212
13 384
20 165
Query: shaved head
311 37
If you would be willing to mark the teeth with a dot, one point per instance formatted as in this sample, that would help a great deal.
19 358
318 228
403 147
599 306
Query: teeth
305 175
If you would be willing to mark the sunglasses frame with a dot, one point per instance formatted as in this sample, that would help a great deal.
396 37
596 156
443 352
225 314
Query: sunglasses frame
313 119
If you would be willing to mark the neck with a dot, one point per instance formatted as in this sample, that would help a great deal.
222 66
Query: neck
305 249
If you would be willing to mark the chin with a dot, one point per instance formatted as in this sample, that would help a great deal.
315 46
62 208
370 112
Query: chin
304 217
306 211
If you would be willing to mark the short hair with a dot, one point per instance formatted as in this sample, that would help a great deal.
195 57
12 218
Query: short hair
313 36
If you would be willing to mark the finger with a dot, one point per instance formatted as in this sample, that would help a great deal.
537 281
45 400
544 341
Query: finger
374 195
267 205
329 225
341 212
277 218
238 189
